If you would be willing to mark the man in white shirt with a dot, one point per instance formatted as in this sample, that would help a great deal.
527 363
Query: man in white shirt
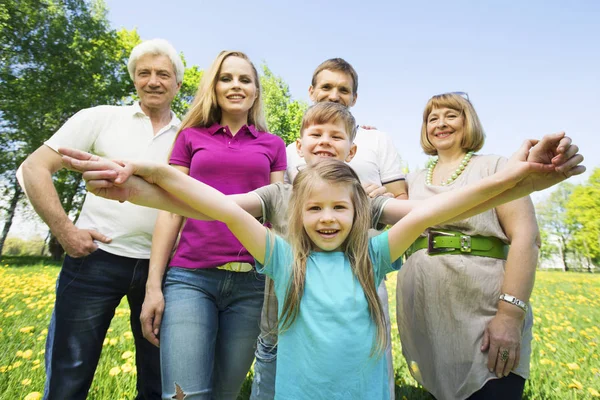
109 247
376 162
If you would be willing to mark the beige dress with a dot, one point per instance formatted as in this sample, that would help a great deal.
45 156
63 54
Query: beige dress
444 302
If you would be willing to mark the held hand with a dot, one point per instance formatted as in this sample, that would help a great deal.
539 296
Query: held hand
151 316
374 190
94 167
80 242
558 150
502 340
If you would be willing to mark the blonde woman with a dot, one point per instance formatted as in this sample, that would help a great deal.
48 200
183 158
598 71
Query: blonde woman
212 295
462 299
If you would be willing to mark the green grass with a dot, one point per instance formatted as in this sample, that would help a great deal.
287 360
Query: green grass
565 362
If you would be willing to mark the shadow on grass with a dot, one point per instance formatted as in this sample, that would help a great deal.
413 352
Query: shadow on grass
28 261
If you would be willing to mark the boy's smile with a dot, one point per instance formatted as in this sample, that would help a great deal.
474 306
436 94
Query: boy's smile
328 140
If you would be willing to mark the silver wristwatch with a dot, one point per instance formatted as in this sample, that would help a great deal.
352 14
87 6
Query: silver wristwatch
514 301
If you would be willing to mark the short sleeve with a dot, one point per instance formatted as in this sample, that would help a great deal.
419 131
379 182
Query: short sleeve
79 132
379 250
279 162
181 154
377 206
390 163
278 259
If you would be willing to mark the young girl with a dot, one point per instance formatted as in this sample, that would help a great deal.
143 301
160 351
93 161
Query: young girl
331 325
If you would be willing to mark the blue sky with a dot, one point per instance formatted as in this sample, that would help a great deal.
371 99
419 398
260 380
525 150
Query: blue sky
530 67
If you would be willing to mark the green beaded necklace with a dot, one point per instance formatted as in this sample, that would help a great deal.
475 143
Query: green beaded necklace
433 162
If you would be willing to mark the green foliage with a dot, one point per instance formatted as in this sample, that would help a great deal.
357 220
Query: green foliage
583 211
191 80
57 58
284 115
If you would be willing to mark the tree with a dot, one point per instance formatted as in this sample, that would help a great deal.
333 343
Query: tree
583 211
191 80
56 57
556 228
284 115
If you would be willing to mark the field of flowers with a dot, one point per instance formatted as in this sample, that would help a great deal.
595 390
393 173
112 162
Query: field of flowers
565 361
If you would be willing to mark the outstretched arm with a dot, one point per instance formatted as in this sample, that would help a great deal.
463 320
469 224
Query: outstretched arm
203 198
113 181
446 206
555 149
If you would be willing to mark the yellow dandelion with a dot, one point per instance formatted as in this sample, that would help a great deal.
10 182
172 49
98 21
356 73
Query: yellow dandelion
550 347
127 354
27 353
33 396
105 342
593 344
593 392
575 385
35 367
19 353
114 371
127 367
571 340
113 341
128 335
595 371
26 382
545 361
17 364
3 369
573 366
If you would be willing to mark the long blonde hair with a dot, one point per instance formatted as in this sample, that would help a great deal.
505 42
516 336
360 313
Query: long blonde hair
205 110
356 246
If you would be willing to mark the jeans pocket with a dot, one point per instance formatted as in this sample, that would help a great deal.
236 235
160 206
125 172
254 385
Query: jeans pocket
71 269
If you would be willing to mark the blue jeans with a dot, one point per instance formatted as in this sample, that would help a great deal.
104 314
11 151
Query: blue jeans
208 332
263 383
88 291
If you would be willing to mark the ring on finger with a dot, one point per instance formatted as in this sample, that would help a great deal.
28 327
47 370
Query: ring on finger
504 355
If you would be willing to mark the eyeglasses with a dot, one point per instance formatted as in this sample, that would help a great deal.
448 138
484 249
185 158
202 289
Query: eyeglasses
464 95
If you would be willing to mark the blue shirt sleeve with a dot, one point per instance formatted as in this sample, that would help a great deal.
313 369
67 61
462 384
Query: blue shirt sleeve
278 259
379 250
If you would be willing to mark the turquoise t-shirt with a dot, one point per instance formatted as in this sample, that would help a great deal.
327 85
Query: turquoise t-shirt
325 354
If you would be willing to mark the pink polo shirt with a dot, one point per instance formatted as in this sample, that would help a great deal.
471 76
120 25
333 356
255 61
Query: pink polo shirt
233 165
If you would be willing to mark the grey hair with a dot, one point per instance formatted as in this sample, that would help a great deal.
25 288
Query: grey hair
156 47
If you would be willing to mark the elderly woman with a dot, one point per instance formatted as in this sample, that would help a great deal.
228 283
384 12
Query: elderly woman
463 312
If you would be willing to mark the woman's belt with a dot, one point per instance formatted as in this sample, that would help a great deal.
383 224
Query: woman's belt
450 242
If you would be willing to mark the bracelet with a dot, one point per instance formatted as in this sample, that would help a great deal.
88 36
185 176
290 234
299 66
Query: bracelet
514 301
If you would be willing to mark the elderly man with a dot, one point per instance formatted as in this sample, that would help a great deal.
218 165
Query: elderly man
109 247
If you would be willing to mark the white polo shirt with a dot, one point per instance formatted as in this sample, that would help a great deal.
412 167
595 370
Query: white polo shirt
121 133
376 160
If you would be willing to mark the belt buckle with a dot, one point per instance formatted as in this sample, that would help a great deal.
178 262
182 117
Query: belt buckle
465 243
431 241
